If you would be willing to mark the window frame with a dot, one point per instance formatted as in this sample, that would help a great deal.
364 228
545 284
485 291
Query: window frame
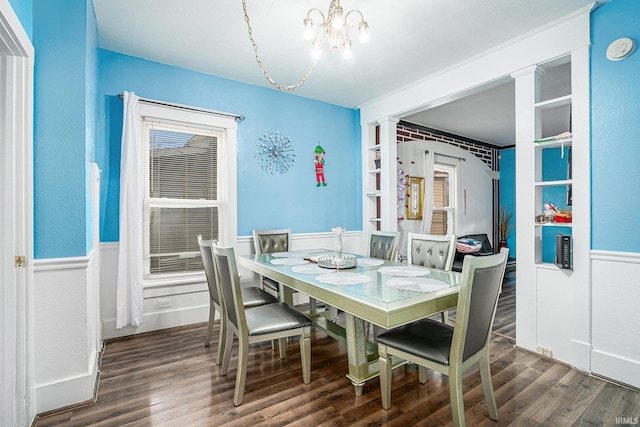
452 209
225 126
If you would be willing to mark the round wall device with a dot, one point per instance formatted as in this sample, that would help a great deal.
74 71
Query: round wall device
620 49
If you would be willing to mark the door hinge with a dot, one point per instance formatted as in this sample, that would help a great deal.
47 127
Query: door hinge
20 261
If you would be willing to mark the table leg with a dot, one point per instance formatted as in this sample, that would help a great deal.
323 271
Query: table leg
286 294
360 370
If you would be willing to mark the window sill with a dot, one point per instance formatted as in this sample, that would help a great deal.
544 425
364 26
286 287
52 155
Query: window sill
175 285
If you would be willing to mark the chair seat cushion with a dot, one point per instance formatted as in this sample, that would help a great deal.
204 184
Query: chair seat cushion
253 296
425 338
276 317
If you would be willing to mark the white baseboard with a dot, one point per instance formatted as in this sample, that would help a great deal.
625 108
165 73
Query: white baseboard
581 355
617 368
158 320
68 391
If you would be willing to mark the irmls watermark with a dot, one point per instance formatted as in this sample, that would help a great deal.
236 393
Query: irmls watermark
627 420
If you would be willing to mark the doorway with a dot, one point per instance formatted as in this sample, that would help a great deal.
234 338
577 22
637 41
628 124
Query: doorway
17 394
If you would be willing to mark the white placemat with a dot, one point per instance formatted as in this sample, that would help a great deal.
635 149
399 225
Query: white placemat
417 284
289 261
369 262
343 278
404 270
309 269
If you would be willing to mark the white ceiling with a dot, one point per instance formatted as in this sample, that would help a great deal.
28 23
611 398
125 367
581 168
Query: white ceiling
410 41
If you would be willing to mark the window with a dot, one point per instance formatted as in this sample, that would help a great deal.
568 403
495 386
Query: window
444 200
181 200
185 178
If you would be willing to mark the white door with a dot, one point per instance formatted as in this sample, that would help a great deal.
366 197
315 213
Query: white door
17 405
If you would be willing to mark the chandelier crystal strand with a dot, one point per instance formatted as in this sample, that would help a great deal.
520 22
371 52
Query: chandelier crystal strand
278 86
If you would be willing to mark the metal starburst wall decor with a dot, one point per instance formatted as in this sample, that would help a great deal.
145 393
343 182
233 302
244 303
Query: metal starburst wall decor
275 153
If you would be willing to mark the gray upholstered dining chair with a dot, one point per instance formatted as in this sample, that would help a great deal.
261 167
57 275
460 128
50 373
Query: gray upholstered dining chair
267 242
383 244
256 324
432 251
451 350
252 296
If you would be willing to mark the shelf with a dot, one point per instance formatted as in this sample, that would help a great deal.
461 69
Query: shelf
374 219
375 171
374 193
553 183
374 148
553 224
552 103
558 143
552 266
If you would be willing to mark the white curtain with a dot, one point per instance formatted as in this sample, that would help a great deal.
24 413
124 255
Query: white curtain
129 286
427 208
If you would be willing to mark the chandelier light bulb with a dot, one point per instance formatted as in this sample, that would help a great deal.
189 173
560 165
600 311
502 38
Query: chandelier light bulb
308 29
364 35
337 22
346 49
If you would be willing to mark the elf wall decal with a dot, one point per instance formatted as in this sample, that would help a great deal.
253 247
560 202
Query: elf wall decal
319 162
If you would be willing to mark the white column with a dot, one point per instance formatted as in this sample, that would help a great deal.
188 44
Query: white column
581 207
526 309
388 176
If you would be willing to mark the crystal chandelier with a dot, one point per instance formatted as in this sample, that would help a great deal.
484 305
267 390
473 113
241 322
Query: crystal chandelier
334 28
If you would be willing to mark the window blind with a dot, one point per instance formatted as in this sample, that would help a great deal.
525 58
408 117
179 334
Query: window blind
182 195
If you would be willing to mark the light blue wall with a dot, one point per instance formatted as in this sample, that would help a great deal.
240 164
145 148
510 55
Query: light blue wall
264 201
24 12
91 100
615 127
508 192
64 77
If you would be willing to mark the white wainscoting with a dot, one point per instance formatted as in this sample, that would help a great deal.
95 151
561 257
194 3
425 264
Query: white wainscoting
189 299
67 341
615 350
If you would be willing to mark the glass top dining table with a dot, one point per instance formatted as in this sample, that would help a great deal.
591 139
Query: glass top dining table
384 293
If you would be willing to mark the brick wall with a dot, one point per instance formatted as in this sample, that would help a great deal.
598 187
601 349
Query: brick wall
487 154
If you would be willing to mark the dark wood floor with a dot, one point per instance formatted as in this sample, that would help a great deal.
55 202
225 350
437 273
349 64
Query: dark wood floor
168 378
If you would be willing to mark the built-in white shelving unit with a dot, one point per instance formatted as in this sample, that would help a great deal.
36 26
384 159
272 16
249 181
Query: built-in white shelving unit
372 192
551 99
379 169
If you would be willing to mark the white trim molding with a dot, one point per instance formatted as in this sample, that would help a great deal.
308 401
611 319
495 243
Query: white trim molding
66 327
615 352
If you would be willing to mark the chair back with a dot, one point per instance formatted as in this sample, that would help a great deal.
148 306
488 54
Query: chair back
477 301
383 244
209 272
270 241
229 286
431 250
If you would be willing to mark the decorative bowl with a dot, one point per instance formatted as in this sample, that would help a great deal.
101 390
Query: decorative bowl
338 263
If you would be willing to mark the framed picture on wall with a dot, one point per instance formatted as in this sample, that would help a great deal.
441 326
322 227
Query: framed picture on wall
416 198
